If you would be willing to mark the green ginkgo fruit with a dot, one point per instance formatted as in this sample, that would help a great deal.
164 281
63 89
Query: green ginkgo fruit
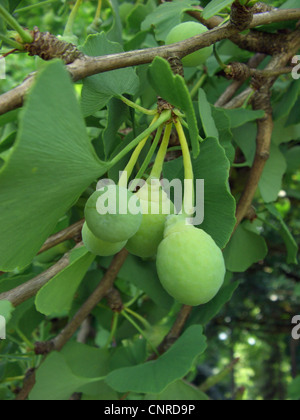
98 247
113 214
187 30
156 206
190 265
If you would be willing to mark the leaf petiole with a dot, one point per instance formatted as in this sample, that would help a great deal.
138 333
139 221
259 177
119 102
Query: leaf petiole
113 329
33 6
137 107
198 85
69 26
134 324
11 42
139 317
25 339
218 58
96 20
133 300
160 158
244 106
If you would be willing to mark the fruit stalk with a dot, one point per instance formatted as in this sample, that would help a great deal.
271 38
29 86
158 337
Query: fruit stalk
189 192
149 155
98 14
185 124
134 157
159 161
161 120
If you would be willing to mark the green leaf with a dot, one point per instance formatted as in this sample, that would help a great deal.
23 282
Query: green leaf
214 7
6 146
292 157
114 172
13 4
20 313
6 309
9 117
293 118
130 354
105 394
210 310
56 297
289 4
205 111
219 205
239 117
179 391
290 243
115 32
247 143
139 13
223 125
51 164
99 89
144 276
55 380
244 249
2 29
212 165
174 90
9 283
283 134
30 321
297 290
166 16
89 362
117 114
271 180
153 377
285 105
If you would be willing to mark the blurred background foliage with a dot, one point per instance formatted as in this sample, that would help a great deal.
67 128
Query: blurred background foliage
255 325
